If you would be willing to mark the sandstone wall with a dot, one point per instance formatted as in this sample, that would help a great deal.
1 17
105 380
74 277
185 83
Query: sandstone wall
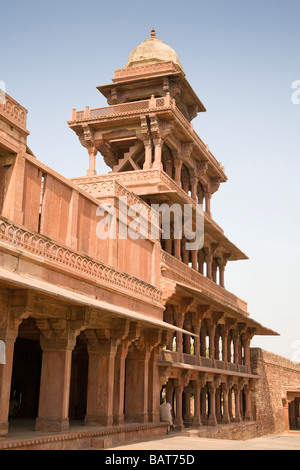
278 375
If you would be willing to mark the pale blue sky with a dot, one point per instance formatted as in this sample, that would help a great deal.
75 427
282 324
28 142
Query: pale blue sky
241 57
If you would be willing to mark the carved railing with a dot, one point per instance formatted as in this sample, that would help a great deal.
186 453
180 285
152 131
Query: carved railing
199 361
123 109
13 111
70 260
199 281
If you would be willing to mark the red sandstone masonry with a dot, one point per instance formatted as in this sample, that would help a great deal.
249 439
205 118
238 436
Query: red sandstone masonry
278 375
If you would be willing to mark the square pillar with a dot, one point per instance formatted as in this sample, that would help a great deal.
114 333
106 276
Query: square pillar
5 387
102 352
53 412
119 384
154 387
137 377
136 393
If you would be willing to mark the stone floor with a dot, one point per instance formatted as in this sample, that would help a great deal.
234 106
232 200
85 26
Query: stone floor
290 441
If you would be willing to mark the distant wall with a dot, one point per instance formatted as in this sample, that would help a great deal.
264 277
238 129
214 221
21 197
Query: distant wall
278 375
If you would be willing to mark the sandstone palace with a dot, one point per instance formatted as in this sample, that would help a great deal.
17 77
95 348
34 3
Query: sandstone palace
94 331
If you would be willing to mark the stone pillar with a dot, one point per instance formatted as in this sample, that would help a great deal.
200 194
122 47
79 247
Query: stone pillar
218 406
208 203
178 422
236 341
119 383
248 392
194 186
170 392
158 143
225 391
53 414
212 421
195 260
137 377
185 253
200 261
187 407
197 407
179 319
178 167
214 270
148 154
203 411
154 387
230 408
102 352
121 330
222 272
208 259
92 161
5 380
177 248
203 332
237 395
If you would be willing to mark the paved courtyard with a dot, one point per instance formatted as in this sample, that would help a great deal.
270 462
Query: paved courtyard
289 441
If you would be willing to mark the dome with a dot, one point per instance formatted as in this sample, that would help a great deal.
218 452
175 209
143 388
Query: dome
151 51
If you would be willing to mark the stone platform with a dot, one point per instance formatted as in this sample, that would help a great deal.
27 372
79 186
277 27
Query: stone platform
23 437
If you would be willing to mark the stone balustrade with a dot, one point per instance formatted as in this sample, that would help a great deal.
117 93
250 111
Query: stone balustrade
177 358
13 111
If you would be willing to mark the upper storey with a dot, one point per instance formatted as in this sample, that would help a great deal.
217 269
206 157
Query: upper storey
147 124
153 68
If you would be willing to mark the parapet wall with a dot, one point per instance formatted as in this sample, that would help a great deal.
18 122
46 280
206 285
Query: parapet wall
278 375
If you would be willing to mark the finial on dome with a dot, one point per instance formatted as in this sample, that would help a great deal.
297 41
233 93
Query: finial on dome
153 34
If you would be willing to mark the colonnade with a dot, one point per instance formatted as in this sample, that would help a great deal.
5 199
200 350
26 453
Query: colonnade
208 401
218 337
122 382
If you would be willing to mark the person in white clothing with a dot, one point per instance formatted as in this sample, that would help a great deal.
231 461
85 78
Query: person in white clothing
166 413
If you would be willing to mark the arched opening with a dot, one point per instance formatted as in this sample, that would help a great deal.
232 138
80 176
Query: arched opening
26 373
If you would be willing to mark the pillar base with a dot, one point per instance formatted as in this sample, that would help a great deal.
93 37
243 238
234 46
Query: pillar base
157 166
188 422
136 417
154 417
91 420
119 420
51 424
91 173
226 421
147 166
212 422
197 422
3 430
237 420
179 427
